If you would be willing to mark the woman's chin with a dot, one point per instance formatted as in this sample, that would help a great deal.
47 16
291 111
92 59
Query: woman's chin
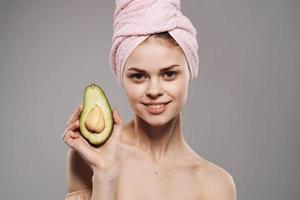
156 120
156 123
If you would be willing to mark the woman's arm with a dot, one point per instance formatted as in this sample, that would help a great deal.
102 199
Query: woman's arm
106 185
79 174
81 179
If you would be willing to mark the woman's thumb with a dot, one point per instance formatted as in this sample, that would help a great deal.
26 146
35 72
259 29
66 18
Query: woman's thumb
117 124
117 118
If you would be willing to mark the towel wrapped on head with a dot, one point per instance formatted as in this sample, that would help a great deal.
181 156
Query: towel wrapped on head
135 20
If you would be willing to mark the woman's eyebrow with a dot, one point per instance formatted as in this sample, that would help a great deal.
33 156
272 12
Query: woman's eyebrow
164 69
170 67
135 69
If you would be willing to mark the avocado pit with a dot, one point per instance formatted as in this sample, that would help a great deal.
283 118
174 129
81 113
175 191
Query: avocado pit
95 122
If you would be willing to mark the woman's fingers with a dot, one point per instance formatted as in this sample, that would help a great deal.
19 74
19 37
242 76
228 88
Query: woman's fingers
74 140
75 115
71 138
75 125
74 135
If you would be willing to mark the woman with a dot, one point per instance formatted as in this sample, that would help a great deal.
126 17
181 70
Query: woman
148 158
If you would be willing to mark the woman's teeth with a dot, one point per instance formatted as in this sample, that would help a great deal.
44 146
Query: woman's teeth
156 106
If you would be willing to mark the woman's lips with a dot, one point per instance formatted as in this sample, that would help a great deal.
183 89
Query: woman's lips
156 108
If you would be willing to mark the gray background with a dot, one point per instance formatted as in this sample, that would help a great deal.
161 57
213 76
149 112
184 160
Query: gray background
243 111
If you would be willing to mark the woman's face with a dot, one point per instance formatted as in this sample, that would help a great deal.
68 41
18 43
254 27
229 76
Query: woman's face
156 80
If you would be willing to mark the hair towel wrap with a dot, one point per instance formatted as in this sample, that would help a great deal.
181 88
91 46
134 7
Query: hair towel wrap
135 20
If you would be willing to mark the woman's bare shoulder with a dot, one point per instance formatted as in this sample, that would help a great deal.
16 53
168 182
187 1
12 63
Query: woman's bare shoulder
214 181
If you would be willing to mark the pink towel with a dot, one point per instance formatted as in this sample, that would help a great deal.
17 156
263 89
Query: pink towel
134 20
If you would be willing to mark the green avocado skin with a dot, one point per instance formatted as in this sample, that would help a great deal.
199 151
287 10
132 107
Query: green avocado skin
94 95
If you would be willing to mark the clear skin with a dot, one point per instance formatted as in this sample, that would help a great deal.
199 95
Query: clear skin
148 158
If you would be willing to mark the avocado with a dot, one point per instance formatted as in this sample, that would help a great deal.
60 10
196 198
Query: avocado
96 119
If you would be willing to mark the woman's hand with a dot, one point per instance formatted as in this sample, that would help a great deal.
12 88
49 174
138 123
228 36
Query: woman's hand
104 159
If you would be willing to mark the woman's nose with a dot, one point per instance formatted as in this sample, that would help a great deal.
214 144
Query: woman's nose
154 88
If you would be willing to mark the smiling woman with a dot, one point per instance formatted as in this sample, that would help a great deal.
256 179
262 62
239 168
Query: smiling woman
159 85
155 72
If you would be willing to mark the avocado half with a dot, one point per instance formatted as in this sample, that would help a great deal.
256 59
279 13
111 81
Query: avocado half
96 119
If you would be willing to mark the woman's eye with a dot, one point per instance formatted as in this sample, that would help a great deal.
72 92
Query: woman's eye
137 77
170 75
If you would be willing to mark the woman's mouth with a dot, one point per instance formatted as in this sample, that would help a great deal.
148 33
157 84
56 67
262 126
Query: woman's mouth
156 108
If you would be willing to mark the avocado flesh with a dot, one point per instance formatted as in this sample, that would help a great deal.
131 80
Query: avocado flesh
95 96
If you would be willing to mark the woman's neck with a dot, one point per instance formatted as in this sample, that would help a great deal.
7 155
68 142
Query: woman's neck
157 141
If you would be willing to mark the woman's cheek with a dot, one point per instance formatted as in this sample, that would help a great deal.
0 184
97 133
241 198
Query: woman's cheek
177 88
179 92
135 92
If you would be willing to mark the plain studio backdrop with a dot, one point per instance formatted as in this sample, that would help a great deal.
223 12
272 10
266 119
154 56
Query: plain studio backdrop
243 110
